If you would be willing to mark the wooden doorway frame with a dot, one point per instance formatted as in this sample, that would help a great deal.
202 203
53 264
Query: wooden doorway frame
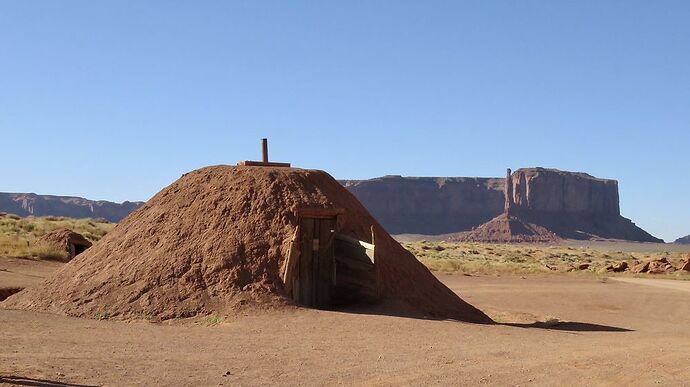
310 259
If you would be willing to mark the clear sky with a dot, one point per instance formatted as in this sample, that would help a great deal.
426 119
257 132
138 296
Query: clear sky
116 99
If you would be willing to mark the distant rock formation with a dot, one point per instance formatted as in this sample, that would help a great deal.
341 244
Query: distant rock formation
507 228
573 205
508 193
553 191
429 205
25 204
567 204
683 241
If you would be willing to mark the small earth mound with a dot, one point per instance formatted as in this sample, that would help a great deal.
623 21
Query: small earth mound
215 240
72 242
506 228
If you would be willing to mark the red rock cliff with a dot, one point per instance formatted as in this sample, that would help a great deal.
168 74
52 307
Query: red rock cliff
554 191
429 205
572 205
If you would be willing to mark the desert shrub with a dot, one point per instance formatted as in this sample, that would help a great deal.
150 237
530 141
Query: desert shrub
47 252
28 227
214 320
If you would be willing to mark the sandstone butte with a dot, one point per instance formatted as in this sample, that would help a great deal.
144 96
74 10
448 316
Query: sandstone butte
566 204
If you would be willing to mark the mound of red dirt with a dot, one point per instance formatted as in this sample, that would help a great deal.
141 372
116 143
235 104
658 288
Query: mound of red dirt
507 229
72 242
215 240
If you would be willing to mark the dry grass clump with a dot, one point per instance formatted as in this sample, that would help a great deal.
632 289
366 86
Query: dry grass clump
19 237
497 259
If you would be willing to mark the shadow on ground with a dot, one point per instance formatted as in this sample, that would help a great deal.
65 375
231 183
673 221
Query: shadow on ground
570 326
24 381
400 310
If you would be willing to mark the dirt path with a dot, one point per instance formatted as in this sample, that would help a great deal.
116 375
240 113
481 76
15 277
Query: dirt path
616 334
683 286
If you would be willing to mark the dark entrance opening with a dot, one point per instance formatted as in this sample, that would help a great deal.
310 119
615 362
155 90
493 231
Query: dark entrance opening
78 249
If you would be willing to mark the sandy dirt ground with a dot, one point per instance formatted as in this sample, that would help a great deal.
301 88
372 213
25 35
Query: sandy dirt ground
683 286
18 272
611 333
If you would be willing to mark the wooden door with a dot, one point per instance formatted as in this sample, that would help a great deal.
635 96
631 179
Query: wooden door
316 263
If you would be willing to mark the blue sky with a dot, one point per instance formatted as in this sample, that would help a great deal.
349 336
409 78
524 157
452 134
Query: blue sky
116 99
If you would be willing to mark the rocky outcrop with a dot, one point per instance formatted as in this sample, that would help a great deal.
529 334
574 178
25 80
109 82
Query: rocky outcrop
573 205
507 228
568 204
429 205
25 204
686 265
553 191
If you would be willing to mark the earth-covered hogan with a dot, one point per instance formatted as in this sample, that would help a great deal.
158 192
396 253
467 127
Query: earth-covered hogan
224 238
67 240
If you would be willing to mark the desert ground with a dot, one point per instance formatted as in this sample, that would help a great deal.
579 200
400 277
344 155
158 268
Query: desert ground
552 329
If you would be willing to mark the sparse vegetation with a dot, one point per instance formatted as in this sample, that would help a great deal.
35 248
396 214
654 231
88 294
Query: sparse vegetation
213 320
19 237
497 259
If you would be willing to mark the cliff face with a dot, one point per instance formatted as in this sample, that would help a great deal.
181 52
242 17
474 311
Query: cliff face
25 204
429 205
571 205
554 191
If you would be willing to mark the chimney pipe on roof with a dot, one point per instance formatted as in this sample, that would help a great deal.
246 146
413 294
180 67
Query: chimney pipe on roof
264 150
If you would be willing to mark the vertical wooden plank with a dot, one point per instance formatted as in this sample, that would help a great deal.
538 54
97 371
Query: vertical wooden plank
316 261
326 258
377 270
290 271
306 262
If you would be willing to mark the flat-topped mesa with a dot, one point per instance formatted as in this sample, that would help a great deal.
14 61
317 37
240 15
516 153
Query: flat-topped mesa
30 204
430 205
569 204
553 191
